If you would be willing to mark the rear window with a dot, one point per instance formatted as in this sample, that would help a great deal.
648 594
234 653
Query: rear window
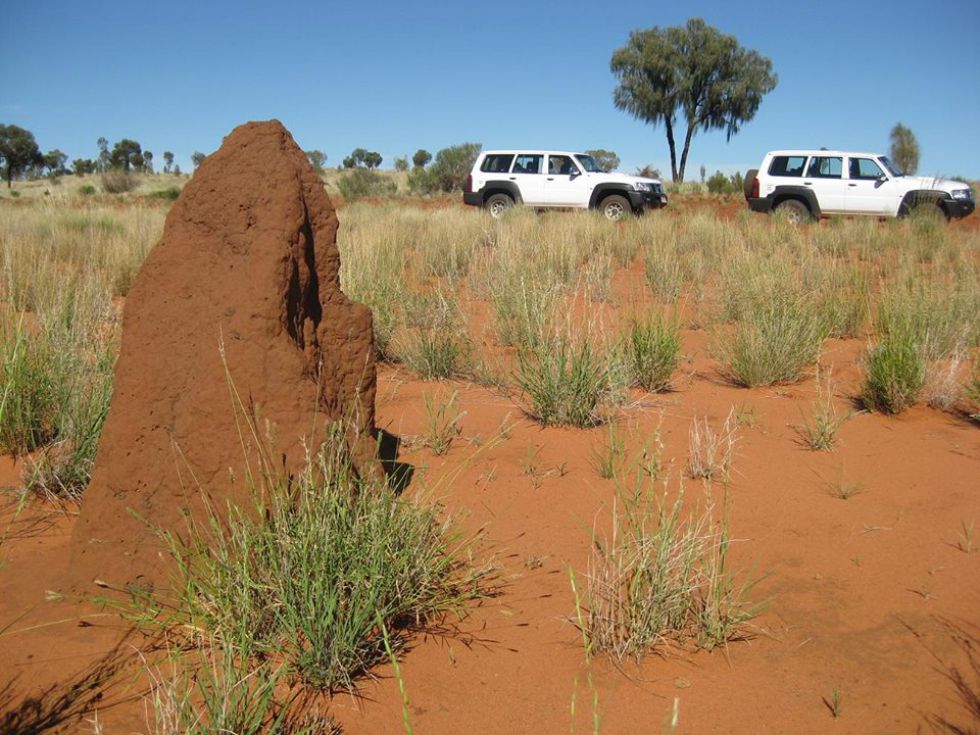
497 163
787 166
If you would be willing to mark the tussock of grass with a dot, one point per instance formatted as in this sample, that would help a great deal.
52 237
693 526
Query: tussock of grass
307 572
661 577
564 381
895 374
651 350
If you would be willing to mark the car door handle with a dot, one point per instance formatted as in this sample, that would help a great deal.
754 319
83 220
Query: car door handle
551 178
513 178
852 185
807 183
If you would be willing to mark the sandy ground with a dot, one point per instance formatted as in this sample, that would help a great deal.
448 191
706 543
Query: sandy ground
876 596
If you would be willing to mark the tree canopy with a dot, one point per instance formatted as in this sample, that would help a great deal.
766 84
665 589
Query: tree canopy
126 154
607 160
695 70
904 149
18 151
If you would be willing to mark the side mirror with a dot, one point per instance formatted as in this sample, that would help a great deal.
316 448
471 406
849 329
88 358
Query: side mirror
573 173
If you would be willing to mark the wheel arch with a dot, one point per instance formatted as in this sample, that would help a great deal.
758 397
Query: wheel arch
603 190
801 194
502 187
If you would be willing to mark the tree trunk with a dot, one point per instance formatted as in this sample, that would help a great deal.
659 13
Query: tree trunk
673 150
687 147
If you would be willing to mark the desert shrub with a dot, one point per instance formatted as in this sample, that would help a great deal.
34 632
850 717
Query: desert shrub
118 181
365 182
563 379
664 271
972 393
938 317
661 576
326 571
524 306
86 190
721 184
774 339
170 193
895 374
652 347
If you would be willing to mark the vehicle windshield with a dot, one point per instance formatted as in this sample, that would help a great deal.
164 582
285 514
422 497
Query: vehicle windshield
588 163
892 168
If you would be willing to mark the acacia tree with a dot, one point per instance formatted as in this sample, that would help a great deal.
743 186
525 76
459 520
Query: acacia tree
904 149
607 160
421 158
168 162
197 158
695 70
18 151
317 159
126 154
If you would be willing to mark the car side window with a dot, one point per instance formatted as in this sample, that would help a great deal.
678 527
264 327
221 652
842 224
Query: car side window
864 168
825 167
497 163
561 166
528 163
787 166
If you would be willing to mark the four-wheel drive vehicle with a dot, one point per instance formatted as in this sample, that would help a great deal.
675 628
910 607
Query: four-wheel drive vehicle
805 184
542 179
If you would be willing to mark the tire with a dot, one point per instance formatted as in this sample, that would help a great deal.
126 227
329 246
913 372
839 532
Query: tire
497 204
793 211
614 207
747 181
928 212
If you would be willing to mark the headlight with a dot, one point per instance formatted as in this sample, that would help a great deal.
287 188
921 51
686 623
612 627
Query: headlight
962 193
643 186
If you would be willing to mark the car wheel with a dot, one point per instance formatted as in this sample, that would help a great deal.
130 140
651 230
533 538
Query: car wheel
793 211
615 207
928 211
497 204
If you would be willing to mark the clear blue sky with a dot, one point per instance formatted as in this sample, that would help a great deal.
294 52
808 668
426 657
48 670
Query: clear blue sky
397 76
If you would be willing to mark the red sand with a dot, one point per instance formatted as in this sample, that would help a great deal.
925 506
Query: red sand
873 596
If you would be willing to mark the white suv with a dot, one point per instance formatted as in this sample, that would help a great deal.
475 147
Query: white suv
805 184
543 179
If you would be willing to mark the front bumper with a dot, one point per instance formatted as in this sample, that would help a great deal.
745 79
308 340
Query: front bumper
956 208
641 200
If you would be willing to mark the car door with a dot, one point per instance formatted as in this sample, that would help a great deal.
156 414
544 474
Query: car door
565 184
869 189
528 173
825 177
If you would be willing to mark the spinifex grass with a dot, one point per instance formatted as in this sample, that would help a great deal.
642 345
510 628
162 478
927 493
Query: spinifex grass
442 423
895 374
662 576
775 338
564 381
307 572
651 348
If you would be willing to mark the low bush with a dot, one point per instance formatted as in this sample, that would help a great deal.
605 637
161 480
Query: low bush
365 182
86 190
118 181
170 193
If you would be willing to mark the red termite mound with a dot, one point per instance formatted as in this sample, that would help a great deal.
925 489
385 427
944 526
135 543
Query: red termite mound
242 291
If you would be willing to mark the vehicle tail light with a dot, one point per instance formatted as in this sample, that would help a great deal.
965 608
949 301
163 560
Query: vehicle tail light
469 183
755 188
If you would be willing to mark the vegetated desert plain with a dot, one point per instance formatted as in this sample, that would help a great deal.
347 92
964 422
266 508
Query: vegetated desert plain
726 471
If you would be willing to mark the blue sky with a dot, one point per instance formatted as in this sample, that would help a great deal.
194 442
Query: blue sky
397 76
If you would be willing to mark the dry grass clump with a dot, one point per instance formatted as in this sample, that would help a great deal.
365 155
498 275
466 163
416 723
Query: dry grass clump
712 452
651 348
661 577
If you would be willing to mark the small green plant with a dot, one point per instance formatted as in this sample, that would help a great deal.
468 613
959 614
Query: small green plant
972 393
843 488
170 193
86 190
442 423
608 456
819 432
895 374
711 452
563 380
967 542
834 702
358 183
652 347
